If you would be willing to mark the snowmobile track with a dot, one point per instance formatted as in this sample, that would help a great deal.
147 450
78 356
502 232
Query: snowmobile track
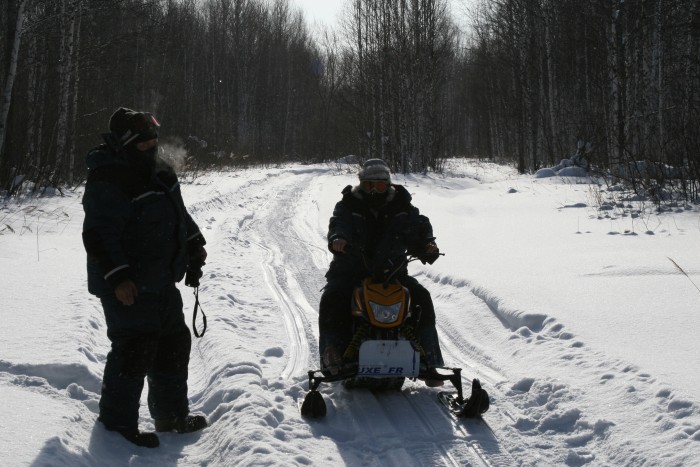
426 434
293 319
285 274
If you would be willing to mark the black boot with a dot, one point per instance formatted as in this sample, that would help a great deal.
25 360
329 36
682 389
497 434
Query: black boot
144 439
186 424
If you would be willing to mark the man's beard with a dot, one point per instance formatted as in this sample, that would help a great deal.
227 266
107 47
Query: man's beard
376 200
143 162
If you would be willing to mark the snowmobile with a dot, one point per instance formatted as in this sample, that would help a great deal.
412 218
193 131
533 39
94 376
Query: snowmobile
384 351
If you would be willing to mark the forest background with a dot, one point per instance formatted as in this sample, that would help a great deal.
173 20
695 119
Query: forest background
240 82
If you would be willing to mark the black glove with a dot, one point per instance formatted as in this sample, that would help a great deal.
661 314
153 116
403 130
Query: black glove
192 277
197 256
429 258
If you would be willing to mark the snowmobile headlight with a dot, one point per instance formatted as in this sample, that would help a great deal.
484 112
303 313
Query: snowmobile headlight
386 314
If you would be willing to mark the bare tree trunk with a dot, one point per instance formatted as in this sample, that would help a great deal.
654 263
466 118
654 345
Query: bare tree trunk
76 83
619 82
67 43
552 92
660 80
11 74
517 92
34 80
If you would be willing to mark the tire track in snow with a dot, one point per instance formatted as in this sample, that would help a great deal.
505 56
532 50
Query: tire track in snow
438 428
293 319
283 228
285 268
415 430
405 437
425 434
419 440
462 347
537 410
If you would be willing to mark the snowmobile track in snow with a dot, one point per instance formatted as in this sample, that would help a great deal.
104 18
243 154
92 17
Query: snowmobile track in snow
293 320
422 432
425 433
284 256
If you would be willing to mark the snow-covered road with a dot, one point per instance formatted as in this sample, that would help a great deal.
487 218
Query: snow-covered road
285 235
559 396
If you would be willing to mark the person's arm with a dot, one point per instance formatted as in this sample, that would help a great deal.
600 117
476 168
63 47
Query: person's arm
106 211
423 245
195 241
196 253
339 228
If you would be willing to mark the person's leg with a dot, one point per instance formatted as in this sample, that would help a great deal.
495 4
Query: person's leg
335 319
167 387
127 364
425 327
133 332
167 378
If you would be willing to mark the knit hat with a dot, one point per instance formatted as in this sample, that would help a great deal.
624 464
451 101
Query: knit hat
375 169
131 126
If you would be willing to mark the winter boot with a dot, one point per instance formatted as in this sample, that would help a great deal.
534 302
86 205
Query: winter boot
186 424
430 381
433 383
144 439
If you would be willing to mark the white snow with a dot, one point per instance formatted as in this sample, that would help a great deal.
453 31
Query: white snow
576 321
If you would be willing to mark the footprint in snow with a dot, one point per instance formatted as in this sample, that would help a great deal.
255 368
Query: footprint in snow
274 352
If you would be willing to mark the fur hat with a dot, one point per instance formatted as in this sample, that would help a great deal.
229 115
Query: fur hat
131 126
375 169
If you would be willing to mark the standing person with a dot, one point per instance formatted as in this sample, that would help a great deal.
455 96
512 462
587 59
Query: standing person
377 219
140 240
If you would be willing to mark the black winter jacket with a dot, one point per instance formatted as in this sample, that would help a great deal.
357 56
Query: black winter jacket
383 236
136 225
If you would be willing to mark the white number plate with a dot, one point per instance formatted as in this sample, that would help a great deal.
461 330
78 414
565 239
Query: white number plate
388 358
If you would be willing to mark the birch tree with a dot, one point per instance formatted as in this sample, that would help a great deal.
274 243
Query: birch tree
69 14
401 55
11 74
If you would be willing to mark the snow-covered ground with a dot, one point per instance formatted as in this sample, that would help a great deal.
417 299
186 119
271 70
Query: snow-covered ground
577 323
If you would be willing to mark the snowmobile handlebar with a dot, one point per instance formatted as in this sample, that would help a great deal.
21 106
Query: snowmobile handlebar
384 273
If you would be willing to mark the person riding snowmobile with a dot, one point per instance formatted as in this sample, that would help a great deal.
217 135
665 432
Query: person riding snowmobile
376 219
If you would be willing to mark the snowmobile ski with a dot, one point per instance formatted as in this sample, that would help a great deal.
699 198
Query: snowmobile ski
472 407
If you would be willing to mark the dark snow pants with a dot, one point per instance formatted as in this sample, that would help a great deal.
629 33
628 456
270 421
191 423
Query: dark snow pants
149 340
335 319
